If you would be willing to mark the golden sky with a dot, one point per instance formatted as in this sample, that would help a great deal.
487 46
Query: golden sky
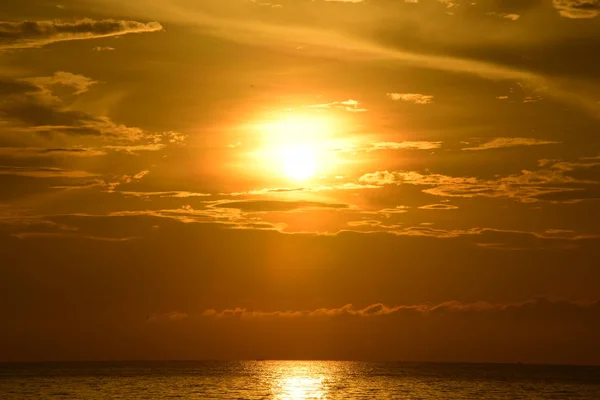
329 179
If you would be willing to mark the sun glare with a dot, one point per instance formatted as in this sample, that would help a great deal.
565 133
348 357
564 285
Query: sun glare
299 162
296 145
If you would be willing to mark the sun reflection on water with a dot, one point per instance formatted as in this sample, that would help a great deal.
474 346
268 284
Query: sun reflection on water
299 382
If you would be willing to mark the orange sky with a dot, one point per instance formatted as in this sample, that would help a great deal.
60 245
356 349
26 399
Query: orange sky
406 180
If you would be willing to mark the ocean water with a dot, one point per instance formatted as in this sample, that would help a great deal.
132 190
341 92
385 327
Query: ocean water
296 380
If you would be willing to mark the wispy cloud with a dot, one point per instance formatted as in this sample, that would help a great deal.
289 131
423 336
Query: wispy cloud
174 194
504 142
333 43
348 105
70 235
133 149
44 172
33 152
79 83
26 34
172 316
420 145
439 207
535 307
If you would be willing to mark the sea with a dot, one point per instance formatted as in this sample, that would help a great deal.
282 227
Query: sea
296 380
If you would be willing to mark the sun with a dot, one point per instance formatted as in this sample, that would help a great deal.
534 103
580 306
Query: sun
298 146
299 161
294 145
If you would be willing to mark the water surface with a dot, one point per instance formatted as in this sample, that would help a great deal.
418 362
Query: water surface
296 380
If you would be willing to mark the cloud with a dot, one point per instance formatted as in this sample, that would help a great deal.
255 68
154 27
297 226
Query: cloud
11 87
376 223
266 4
27 34
103 48
44 172
378 178
413 178
535 309
438 207
512 17
62 235
174 194
415 98
327 42
345 311
79 83
558 231
340 40
503 142
348 105
34 152
322 188
376 146
420 145
110 184
141 174
274 205
365 222
133 149
172 316
31 106
228 217
347 1
578 8
555 177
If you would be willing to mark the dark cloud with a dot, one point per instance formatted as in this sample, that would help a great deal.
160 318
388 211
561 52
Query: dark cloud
45 115
29 105
10 87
